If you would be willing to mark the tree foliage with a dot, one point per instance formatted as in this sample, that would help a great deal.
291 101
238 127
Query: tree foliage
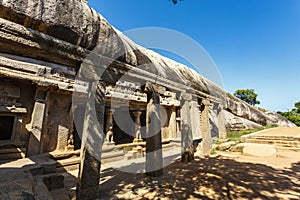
293 115
175 1
247 95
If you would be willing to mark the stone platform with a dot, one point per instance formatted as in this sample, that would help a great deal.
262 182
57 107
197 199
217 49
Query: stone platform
281 137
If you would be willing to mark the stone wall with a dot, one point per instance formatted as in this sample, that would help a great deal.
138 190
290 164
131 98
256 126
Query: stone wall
58 122
43 43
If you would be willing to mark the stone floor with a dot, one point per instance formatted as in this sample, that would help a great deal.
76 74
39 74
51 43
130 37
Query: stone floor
225 175
281 131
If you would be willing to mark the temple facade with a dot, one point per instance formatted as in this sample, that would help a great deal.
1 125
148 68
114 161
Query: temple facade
38 71
72 85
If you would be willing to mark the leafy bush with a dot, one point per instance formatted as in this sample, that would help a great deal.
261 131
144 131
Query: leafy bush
236 135
293 115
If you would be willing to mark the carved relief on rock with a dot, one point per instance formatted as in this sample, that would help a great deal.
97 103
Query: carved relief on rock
9 94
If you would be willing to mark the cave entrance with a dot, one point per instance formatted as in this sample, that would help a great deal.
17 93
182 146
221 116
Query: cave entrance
6 127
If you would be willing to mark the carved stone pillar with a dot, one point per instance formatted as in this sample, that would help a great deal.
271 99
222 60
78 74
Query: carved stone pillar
137 129
173 124
109 118
187 150
221 124
35 145
154 162
206 143
92 141
109 125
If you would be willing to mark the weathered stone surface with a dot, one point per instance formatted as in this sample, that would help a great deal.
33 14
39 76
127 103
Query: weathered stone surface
154 161
18 189
58 128
186 128
92 140
251 116
239 147
195 120
44 43
72 21
76 24
206 143
37 130
259 150
54 182
226 145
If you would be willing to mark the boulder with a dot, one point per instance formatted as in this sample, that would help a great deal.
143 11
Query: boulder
239 147
226 145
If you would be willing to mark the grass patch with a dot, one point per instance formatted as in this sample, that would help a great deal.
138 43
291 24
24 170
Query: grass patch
236 135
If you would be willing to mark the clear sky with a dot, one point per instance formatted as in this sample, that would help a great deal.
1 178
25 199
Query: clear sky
254 43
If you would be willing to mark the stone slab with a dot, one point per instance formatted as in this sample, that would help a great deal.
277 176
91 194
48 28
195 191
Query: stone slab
259 150
281 131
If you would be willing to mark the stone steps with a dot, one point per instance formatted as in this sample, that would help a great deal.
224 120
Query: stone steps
288 148
12 150
291 142
277 142
12 153
112 156
237 126
68 164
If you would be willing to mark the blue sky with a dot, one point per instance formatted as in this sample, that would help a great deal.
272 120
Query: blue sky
254 43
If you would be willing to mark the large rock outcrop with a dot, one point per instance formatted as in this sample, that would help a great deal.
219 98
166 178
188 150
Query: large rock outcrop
64 32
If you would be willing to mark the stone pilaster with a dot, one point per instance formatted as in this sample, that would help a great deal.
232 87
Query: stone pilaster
221 124
187 150
173 124
137 128
92 141
109 118
154 162
109 125
35 145
206 143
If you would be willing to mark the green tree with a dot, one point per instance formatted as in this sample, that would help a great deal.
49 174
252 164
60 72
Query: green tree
175 1
297 106
293 115
247 95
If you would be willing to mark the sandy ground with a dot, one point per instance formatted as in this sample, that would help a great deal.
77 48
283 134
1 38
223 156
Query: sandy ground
226 175
281 131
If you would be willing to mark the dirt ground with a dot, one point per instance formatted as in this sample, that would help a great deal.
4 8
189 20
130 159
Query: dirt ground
226 175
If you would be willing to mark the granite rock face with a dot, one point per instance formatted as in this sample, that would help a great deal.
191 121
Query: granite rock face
64 32
44 47
248 116
72 21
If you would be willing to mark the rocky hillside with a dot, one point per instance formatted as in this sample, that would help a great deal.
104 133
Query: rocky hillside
64 32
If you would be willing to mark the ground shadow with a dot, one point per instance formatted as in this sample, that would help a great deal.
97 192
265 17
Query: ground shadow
212 178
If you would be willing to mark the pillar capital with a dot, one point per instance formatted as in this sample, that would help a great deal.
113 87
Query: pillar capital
186 96
206 102
109 110
137 113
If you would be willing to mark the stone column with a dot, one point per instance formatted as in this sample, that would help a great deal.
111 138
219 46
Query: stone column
109 125
137 128
109 118
221 124
187 150
92 141
206 143
154 162
173 124
35 145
